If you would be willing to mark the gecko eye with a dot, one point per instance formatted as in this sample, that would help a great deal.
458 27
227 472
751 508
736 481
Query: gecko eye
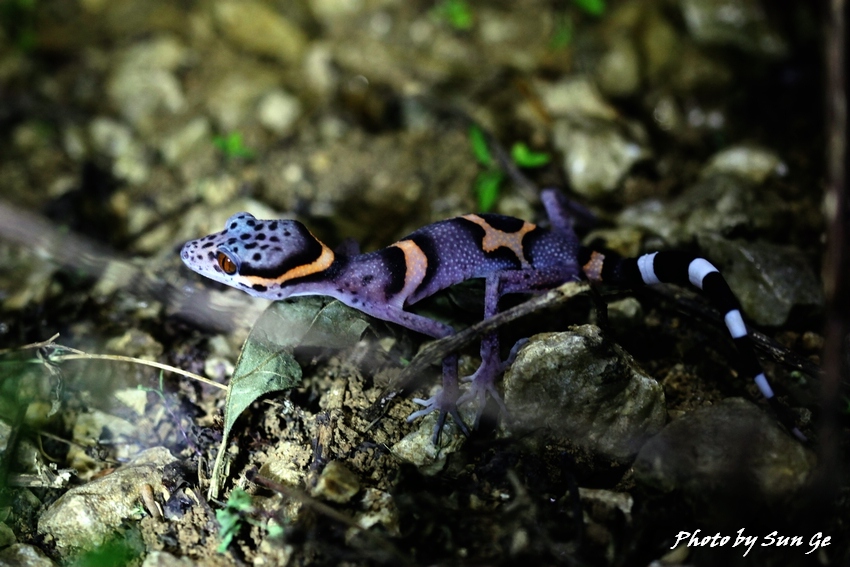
227 265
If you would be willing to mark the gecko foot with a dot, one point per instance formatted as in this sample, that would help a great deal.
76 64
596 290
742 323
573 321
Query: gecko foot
483 382
447 405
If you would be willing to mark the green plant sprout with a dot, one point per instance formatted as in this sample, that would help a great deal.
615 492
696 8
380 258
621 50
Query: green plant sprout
231 516
488 183
562 35
457 13
232 146
591 7
236 511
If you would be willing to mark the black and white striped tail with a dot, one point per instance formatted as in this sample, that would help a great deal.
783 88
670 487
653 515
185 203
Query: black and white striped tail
682 269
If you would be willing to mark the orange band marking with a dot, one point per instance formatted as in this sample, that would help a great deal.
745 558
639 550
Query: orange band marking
494 238
416 264
320 264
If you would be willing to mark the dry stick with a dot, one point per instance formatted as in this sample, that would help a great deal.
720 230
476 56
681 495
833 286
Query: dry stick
52 358
436 351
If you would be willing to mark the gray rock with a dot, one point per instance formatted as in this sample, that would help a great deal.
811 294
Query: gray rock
585 389
749 162
738 23
256 28
721 203
725 457
598 154
23 555
768 279
278 111
336 483
85 516
143 85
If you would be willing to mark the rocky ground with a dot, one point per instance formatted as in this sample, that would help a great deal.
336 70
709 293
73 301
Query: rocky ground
128 127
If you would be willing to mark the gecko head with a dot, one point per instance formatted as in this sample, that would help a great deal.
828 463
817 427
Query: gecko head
260 257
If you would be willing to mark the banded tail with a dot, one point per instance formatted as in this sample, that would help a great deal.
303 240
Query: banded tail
683 269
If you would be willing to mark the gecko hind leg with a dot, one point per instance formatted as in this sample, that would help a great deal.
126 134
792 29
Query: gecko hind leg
445 401
483 381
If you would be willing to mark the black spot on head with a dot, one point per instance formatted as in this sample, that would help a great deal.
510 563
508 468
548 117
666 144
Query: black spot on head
257 257
503 223
259 227
264 246
208 244
261 236
245 236
259 287
233 225
274 239
310 251
277 249
210 255
287 233
366 280
251 246
231 240
250 223
273 225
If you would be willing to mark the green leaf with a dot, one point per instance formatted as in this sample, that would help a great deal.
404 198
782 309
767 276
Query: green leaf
487 186
456 12
230 517
232 146
524 156
480 149
266 363
562 36
592 7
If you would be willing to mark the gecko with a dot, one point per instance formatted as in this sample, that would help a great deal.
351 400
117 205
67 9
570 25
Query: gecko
277 259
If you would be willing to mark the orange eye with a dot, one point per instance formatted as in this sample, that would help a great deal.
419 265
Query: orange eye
226 264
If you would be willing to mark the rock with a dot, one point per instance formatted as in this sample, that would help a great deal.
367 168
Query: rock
165 559
726 458
749 162
143 84
23 555
115 141
257 28
618 72
233 99
85 516
7 536
418 448
575 96
178 144
721 203
598 154
738 23
585 389
278 111
336 483
768 279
